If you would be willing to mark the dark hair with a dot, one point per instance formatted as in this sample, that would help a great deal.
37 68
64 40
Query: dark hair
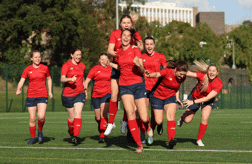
149 37
126 16
34 52
103 54
214 66
74 50
178 64
132 32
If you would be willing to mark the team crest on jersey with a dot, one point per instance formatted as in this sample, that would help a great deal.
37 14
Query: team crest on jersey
129 53
144 60
99 71
71 68
119 39
30 72
156 59
170 78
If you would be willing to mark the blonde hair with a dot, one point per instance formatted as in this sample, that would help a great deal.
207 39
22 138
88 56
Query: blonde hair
201 66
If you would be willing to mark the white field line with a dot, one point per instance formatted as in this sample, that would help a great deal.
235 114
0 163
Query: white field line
116 149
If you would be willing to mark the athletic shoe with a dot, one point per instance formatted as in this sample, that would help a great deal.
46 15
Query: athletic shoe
139 150
124 125
40 136
75 140
180 121
101 140
172 143
71 134
32 141
200 143
150 140
110 127
150 132
143 138
160 129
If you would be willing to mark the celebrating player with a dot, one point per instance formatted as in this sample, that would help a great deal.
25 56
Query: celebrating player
166 96
115 43
152 61
37 94
74 94
101 92
203 95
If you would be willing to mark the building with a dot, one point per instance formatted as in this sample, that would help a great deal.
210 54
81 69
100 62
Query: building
229 28
215 20
164 12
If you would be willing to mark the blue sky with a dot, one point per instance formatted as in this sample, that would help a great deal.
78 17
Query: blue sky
236 11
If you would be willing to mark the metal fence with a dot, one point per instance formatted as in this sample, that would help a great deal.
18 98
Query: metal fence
231 96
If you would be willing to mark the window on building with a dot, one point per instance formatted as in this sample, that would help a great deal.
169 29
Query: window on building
143 12
147 12
154 13
162 14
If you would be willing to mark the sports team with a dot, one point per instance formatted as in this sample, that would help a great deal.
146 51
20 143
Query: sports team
138 80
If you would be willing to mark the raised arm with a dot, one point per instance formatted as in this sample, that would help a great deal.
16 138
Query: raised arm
139 63
111 50
140 45
191 74
152 75
20 85
49 85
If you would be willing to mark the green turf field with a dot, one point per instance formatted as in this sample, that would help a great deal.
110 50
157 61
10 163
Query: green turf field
228 139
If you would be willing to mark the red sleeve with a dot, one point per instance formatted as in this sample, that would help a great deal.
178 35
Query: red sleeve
163 60
217 86
64 70
200 75
137 52
25 74
91 73
163 72
47 72
112 38
138 36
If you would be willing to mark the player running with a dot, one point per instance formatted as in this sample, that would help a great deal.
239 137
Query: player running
37 96
115 43
166 96
153 62
203 95
101 74
74 94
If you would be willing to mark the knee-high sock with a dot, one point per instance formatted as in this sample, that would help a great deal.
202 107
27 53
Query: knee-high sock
135 132
113 106
171 130
153 122
70 126
141 125
103 126
32 131
182 117
77 126
202 130
40 125
125 118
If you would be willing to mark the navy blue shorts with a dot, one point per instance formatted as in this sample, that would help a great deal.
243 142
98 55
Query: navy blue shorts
69 102
96 102
31 102
195 107
115 74
137 90
158 103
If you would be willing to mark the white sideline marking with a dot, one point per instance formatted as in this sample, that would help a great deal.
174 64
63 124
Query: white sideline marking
185 150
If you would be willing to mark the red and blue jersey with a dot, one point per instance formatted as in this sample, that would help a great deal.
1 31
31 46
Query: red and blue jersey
102 83
215 85
152 63
37 87
73 88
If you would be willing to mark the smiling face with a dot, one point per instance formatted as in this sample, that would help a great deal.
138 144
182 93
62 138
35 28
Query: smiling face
103 60
76 57
36 58
126 38
180 74
212 72
149 46
126 23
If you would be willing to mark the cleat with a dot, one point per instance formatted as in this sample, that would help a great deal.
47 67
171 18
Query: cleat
139 150
32 141
160 129
180 121
71 134
150 140
172 143
150 132
101 140
200 143
40 136
109 128
124 125
143 138
75 140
